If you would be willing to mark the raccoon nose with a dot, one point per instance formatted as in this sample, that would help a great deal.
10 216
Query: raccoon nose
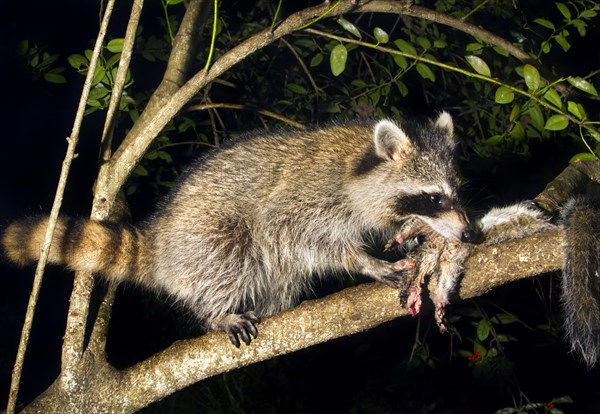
471 235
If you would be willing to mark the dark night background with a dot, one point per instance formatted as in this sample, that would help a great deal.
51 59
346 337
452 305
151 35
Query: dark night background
364 373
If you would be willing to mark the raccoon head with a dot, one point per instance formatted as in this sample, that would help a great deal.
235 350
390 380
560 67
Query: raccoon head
412 173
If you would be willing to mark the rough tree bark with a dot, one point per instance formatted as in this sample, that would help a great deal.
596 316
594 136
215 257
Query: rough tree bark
89 384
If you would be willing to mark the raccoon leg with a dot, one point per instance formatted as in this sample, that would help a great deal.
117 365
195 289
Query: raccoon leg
391 273
237 324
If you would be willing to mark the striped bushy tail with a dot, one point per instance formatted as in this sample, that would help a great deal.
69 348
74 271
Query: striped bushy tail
115 250
581 277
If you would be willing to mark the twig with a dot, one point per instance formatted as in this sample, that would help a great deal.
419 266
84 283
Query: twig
72 140
203 107
318 90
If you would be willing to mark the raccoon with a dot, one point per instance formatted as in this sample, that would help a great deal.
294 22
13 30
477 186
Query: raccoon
436 256
251 226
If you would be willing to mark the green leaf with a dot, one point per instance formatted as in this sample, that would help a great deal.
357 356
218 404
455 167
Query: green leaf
504 95
474 47
77 61
594 134
587 14
425 72
115 45
506 318
583 156
553 97
405 47
141 171
479 65
500 51
316 60
494 140
381 35
337 59
173 2
35 60
483 329
54 78
532 77
440 44
400 61
349 27
581 26
576 109
359 83
298 89
563 400
561 39
94 103
98 92
556 123
165 156
402 88
545 23
99 75
515 113
546 46
517 131
537 117
583 85
424 43
564 10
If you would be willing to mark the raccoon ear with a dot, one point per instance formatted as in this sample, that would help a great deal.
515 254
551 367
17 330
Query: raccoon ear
445 124
391 142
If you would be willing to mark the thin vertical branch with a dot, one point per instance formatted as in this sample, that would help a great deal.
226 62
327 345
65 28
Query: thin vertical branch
58 198
98 338
180 61
73 342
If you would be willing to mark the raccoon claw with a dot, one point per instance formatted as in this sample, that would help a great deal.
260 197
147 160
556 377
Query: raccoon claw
239 327
396 280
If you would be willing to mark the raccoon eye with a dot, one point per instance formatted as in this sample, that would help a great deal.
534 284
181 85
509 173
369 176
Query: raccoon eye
435 199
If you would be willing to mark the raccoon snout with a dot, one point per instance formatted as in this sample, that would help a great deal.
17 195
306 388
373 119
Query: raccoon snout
471 235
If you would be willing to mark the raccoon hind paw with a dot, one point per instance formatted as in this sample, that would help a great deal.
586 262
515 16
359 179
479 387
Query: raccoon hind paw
238 326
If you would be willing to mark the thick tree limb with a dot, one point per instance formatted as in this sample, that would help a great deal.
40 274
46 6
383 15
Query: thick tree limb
573 180
344 313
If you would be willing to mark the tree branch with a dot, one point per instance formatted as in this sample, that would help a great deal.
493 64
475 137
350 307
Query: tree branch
279 117
316 321
179 64
98 337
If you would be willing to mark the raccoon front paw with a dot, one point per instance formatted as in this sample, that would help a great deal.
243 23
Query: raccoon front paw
238 327
401 276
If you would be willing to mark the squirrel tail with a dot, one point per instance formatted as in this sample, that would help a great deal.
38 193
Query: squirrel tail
580 295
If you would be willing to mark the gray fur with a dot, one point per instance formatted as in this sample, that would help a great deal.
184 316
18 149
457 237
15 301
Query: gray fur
581 279
252 225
